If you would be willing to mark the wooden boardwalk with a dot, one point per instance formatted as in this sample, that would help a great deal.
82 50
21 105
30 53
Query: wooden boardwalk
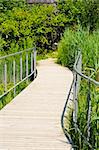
32 120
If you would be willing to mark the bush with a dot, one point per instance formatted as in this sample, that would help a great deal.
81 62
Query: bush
73 41
23 26
85 12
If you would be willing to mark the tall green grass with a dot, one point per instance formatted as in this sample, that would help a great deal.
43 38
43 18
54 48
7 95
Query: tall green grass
71 42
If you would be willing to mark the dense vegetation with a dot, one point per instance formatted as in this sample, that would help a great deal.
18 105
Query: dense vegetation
86 39
71 42
23 26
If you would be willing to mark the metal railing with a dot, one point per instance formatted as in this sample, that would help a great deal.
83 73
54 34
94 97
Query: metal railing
80 114
15 69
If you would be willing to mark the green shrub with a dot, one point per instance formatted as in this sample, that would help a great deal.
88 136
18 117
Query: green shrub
85 12
72 41
23 26
67 48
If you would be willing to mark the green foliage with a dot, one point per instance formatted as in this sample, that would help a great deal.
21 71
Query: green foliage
82 117
66 49
10 4
22 26
85 12
79 40
71 42
2 44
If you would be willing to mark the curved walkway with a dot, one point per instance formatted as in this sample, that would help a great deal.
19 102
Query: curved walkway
32 120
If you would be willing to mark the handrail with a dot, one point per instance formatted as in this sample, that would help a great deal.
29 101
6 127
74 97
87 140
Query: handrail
17 53
63 114
81 74
13 87
32 67
74 86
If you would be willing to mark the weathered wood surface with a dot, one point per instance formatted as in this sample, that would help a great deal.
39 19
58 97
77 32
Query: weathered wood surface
32 120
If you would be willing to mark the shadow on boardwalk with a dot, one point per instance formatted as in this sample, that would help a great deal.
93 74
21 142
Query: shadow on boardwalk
32 120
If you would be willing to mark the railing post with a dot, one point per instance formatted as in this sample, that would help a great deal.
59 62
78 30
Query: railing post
89 112
14 75
21 67
10 67
9 71
79 67
5 76
77 80
31 61
2 74
75 101
34 63
27 66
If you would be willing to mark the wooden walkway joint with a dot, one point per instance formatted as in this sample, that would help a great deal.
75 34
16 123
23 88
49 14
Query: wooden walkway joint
32 120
